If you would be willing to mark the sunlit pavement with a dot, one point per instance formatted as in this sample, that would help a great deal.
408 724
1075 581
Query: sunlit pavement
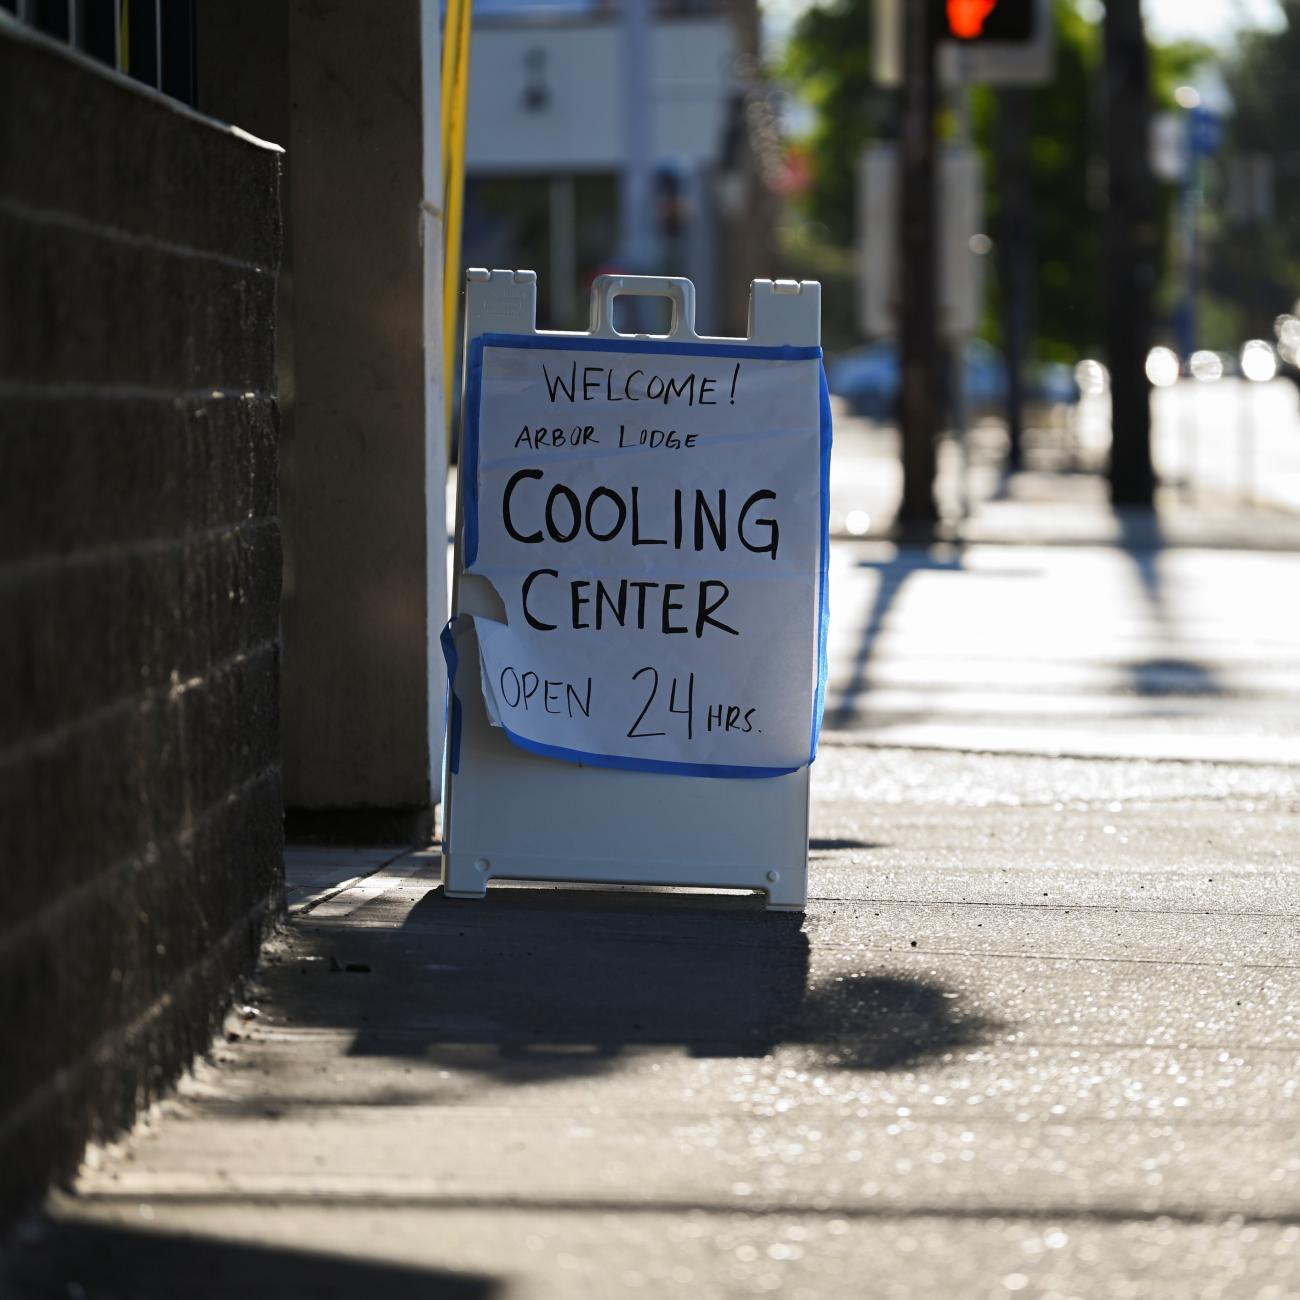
1166 652
1052 624
1038 1035
1231 438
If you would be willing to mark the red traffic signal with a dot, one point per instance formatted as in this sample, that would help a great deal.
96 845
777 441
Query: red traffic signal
977 21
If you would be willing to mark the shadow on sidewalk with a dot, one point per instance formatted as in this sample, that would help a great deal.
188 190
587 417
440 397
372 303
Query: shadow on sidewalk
533 985
894 574
537 984
79 1261
1143 543
854 696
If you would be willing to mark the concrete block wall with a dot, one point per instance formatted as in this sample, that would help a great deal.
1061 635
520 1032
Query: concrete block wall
140 794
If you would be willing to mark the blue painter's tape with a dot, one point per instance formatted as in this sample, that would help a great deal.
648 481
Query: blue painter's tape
823 574
448 643
584 343
469 480
469 448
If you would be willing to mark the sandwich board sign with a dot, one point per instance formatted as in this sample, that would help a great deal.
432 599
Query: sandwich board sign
636 655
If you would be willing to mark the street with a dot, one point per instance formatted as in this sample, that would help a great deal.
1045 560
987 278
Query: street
1037 1034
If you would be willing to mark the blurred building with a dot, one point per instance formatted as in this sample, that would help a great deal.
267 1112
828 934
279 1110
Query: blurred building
546 148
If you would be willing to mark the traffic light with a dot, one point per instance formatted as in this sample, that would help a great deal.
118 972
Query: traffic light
973 22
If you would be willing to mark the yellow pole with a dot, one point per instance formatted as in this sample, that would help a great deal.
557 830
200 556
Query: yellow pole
457 97
450 38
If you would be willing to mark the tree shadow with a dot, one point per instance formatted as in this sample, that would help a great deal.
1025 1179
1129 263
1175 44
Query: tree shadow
102 1262
1143 544
535 983
1173 677
887 1022
894 575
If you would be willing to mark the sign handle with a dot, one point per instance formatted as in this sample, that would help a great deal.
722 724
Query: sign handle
680 292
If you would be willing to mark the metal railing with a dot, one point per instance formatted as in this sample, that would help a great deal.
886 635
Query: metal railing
149 40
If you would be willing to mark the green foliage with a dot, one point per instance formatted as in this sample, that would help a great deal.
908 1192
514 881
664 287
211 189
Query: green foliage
1175 65
807 255
1064 183
830 59
1254 266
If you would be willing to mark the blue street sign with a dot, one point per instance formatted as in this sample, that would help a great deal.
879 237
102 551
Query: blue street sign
1206 132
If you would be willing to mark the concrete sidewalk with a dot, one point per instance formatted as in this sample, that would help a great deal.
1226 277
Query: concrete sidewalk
1038 1034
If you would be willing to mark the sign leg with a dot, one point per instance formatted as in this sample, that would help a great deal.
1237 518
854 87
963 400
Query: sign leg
464 878
789 891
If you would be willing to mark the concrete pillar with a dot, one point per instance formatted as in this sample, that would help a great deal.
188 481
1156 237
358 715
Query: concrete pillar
361 611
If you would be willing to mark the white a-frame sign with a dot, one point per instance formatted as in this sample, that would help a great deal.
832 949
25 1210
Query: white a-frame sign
637 643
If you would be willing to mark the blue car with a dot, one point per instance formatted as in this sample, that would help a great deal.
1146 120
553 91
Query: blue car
868 380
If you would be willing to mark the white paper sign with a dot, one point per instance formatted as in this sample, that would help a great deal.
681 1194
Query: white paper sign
654 520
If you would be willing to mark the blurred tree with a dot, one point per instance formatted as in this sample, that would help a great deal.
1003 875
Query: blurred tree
1172 66
1065 192
753 156
1131 250
830 60
1253 252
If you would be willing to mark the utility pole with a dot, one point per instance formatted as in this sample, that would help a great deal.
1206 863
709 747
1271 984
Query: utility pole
922 376
1130 252
636 239
752 216
1015 257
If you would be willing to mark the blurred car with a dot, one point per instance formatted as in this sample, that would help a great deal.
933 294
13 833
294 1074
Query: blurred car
985 379
1053 383
868 379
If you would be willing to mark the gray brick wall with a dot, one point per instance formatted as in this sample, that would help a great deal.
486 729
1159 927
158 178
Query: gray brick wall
140 805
